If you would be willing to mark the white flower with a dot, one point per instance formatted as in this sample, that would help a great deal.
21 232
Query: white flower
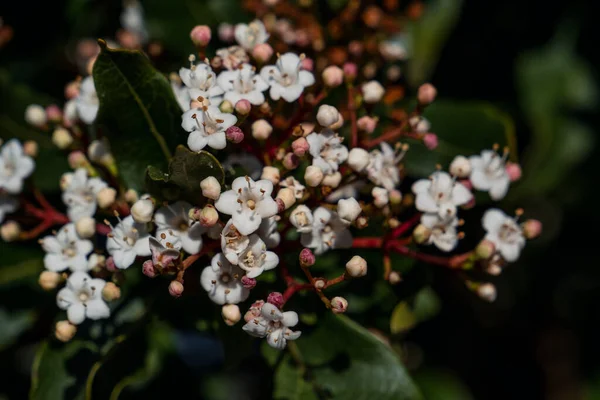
232 57
273 324
207 126
443 231
249 35
489 173
80 194
82 298
66 250
132 19
223 281
164 254
243 83
201 82
233 243
328 232
248 202
505 233
87 102
15 166
268 232
8 204
383 166
256 259
440 194
286 77
291 183
302 219
174 222
128 240
182 94
327 150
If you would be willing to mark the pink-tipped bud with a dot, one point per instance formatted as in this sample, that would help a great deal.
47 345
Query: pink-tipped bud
426 94
71 90
208 216
53 113
300 146
176 289
485 249
64 331
339 305
31 148
286 195
77 159
291 161
149 270
395 197
470 204
226 32
110 264
234 134
532 228
262 52
248 283
201 35
307 258
350 71
243 107
307 64
514 171
430 140
367 124
280 205
275 298
333 76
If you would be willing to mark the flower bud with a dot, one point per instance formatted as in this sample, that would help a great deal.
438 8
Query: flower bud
99 152
426 94
494 269
466 183
85 227
270 174
332 180
261 129
395 197
307 258
287 197
333 76
243 107
419 124
421 234
339 305
381 197
31 148
62 138
394 278
106 197
290 161
226 32
350 71
53 113
262 52
234 134
35 115
176 289
211 188
148 269
65 180
362 222
307 64
358 159
313 176
208 216
65 331
110 264
356 267
460 167
231 314
367 124
514 171
485 249
78 160
338 124
131 196
348 209
372 92
142 211
276 299
200 35
430 140
300 146
487 292
49 280
10 231
327 115
96 261
248 283
532 228
111 292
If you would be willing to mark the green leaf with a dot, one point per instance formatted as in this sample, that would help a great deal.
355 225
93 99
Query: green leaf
463 128
290 382
442 385
138 111
407 314
403 319
20 262
13 324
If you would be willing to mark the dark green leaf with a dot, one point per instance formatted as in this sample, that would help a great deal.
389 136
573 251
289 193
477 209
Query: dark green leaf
13 324
403 319
20 263
442 385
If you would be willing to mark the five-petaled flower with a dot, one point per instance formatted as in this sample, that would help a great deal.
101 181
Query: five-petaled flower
80 194
127 241
66 250
443 232
207 126
270 322
488 173
286 77
327 150
82 298
223 281
328 232
250 35
255 259
243 83
15 166
173 221
505 233
440 194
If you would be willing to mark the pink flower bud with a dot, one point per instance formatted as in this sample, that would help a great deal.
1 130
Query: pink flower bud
176 289
200 35
77 159
307 64
71 90
275 298
333 76
280 205
426 94
300 146
248 283
234 134
430 140
307 258
226 32
110 264
532 228
254 311
31 148
339 305
148 269
291 161
243 107
350 71
53 113
262 52
514 171
367 124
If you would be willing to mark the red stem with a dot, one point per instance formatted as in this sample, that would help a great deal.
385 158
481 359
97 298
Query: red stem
405 226
352 109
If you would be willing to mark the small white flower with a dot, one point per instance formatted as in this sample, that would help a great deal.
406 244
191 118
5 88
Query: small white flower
8 204
440 194
243 83
132 19
249 35
201 81
174 222
291 183
381 196
66 250
302 219
164 254
233 243
443 231
286 77
82 298
256 259
87 102
268 232
182 94
15 166
274 325
223 281
383 166
328 232
232 57
127 241
489 173
505 233
327 150
80 194
207 126
248 202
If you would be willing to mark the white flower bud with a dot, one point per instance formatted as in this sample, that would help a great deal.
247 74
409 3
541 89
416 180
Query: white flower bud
85 227
10 231
49 280
327 115
35 115
261 129
111 292
421 233
358 159
65 331
338 124
339 305
106 197
356 267
381 197
332 180
231 314
372 91
487 292
271 174
142 211
30 148
394 278
131 196
208 216
333 76
301 217
313 176
62 138
211 188
348 209
98 152
287 196
460 167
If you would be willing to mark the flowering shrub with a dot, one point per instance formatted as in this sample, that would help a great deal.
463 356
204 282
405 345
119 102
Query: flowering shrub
281 177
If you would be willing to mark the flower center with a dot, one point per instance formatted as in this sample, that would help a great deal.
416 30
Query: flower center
83 297
509 232
70 251
225 277
302 219
251 204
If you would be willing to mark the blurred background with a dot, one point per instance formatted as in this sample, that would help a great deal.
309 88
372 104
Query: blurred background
535 60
